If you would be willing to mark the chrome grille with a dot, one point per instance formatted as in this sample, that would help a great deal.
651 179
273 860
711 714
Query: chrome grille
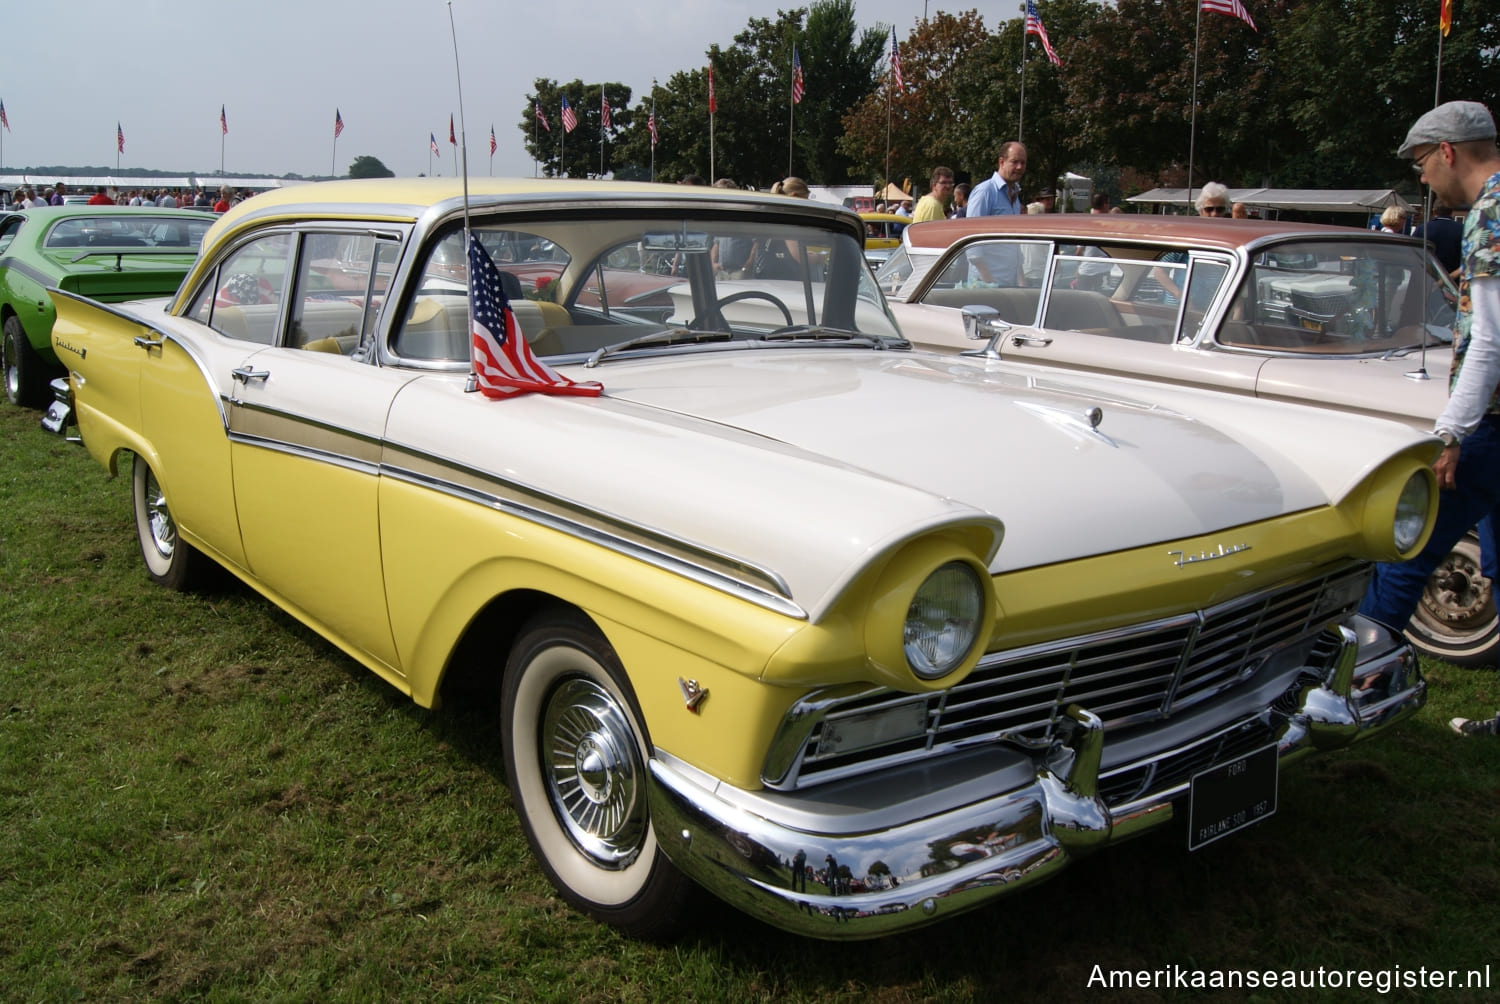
1128 677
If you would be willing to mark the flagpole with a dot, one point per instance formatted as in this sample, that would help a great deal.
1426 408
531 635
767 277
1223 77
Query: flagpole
334 159
602 99
1193 127
653 131
890 86
791 118
562 145
1021 118
535 145
1437 86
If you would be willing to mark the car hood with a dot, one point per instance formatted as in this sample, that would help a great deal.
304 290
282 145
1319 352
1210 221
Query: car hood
809 461
1022 447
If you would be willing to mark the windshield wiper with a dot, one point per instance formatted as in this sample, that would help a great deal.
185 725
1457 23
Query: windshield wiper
819 333
666 336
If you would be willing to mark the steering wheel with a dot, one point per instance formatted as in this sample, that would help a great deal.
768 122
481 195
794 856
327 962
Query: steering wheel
755 294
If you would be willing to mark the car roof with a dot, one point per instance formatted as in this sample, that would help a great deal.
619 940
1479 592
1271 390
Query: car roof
1203 232
46 214
884 218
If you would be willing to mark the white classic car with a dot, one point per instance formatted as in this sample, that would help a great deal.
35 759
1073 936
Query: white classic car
856 636
1355 320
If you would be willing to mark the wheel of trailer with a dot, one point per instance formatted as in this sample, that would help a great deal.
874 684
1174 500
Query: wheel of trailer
1455 619
576 752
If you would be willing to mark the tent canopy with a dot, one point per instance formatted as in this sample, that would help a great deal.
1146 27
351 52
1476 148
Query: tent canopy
1308 200
893 193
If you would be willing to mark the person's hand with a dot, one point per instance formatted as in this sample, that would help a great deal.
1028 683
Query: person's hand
1446 467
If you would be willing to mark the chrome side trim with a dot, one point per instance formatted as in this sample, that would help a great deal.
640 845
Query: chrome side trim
668 554
271 429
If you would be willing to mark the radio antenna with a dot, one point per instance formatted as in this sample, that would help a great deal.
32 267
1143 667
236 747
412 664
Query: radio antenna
463 135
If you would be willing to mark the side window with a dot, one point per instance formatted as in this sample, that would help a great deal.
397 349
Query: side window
994 273
8 232
332 304
244 299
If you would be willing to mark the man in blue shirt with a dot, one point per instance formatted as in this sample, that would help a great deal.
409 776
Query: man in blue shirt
999 195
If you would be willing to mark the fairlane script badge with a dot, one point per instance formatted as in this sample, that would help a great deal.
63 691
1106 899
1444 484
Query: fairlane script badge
1220 552
81 353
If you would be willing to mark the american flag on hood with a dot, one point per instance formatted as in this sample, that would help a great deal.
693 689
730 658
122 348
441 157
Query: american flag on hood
503 363
1230 8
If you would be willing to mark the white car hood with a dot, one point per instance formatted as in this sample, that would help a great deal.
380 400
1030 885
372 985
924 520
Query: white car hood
809 461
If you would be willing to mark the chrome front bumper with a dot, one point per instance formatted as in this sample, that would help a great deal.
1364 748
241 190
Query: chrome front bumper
843 864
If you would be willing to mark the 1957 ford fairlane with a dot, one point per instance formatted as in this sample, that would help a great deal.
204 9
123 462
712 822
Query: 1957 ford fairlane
856 636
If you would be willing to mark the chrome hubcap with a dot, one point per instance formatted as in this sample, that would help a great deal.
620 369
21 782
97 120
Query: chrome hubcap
163 530
594 774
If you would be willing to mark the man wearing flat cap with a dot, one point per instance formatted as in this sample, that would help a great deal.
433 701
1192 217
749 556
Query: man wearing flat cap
1452 147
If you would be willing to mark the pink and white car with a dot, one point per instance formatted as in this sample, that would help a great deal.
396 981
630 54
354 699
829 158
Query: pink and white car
1350 319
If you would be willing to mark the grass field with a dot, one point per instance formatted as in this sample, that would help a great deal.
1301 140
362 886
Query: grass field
201 800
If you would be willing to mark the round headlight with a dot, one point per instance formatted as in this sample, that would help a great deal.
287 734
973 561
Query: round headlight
944 619
1411 512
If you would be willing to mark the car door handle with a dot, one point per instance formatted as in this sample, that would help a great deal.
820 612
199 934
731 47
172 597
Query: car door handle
148 343
245 374
1040 341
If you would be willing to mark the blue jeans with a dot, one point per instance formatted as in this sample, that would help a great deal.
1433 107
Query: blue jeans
1397 587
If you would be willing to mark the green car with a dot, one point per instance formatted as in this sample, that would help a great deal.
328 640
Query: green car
107 253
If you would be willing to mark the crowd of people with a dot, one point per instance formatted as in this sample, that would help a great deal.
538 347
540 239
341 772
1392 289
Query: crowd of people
30 197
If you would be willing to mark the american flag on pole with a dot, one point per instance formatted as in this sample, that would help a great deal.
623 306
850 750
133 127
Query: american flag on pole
1230 8
896 63
651 124
797 89
223 121
493 145
338 123
1035 27
604 110
119 138
713 106
570 121
541 117
3 120
432 143
503 363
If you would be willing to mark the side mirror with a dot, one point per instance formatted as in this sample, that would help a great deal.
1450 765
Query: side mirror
983 323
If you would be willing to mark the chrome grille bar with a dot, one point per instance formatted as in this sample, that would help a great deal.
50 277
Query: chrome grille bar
1128 677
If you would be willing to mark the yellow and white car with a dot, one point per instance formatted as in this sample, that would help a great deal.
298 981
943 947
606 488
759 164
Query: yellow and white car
856 636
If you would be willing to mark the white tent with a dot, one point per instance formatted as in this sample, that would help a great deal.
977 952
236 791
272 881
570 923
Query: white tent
1307 200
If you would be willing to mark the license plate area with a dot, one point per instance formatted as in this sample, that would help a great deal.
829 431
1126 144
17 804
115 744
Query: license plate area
1232 796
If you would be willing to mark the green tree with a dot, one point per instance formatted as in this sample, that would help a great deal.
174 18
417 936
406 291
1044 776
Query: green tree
929 121
366 166
575 154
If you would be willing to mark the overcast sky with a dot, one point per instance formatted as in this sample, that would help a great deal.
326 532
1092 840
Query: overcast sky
163 68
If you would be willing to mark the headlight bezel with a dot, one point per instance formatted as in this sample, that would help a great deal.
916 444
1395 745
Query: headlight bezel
953 585
897 587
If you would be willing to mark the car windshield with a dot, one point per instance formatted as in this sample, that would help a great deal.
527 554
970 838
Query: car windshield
580 285
1338 297
129 231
